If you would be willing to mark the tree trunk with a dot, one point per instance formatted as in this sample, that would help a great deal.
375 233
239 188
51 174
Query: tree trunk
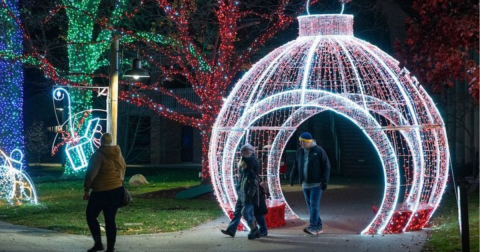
206 179
206 132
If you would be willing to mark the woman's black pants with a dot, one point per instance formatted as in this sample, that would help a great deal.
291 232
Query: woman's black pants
108 202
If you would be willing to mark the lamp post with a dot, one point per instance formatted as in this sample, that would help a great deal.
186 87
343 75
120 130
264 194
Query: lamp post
112 105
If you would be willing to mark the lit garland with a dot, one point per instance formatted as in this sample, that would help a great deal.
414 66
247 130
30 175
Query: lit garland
327 68
11 78
80 141
15 185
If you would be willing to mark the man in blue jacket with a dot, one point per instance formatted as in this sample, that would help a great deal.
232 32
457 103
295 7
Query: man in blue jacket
313 169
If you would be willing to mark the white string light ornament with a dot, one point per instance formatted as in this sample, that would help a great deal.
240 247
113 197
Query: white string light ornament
327 68
15 185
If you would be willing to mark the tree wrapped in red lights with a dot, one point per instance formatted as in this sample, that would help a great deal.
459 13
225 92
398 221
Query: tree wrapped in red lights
443 43
208 61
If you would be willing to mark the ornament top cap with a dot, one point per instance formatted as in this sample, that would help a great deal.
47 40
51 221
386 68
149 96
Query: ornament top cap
325 25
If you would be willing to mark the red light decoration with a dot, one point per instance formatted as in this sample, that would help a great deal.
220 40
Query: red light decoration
274 218
400 219
276 214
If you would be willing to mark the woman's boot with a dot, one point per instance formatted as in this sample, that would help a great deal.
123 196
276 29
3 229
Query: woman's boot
98 244
254 230
110 246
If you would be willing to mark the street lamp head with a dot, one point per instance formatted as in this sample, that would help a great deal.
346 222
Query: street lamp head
137 72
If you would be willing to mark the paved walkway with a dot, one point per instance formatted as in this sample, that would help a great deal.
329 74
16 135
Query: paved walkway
346 211
208 238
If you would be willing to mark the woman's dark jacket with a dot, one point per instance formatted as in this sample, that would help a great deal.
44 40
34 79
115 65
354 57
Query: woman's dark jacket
262 208
249 191
318 166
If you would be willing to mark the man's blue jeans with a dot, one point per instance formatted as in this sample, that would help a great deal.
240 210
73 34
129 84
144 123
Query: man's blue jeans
312 198
247 213
237 216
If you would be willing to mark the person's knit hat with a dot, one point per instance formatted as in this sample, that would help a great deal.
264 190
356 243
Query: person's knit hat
306 137
247 147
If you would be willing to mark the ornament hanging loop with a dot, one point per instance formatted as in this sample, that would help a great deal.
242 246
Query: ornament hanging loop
341 1
308 5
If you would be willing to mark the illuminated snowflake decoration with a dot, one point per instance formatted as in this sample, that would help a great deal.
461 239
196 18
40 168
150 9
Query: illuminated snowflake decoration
327 68
15 185
81 141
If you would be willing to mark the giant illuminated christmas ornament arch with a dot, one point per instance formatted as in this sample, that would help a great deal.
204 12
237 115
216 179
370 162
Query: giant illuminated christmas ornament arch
327 68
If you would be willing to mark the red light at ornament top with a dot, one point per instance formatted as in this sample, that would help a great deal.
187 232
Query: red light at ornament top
327 68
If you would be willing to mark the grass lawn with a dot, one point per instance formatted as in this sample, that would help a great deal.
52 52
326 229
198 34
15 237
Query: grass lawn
61 207
445 233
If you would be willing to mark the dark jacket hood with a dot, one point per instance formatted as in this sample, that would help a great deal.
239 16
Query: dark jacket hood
252 163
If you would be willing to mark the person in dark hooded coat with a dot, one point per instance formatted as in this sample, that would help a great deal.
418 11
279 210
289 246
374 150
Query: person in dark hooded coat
248 194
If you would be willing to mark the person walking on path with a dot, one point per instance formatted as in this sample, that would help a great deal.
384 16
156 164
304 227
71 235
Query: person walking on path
261 210
248 195
312 167
104 177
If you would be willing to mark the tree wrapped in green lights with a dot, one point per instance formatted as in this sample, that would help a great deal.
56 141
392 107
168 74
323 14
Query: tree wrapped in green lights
86 50
73 27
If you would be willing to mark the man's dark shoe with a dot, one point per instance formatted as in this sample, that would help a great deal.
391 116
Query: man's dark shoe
312 231
309 231
227 232
254 236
